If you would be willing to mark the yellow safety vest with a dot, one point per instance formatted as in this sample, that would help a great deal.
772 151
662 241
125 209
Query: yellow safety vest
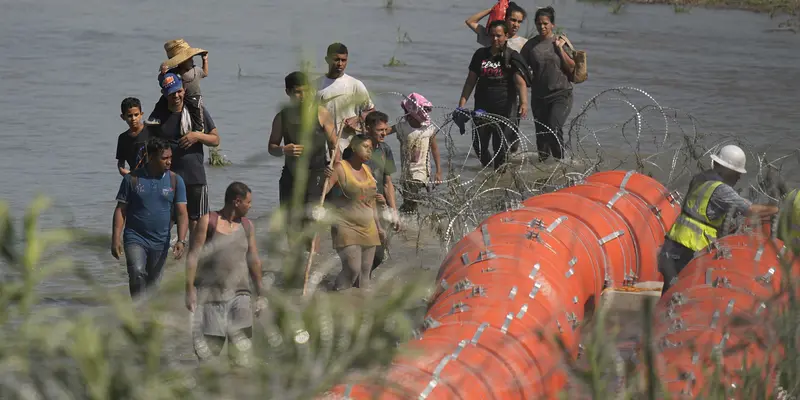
693 229
789 221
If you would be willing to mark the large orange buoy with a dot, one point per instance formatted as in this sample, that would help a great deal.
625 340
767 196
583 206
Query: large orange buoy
519 286
737 277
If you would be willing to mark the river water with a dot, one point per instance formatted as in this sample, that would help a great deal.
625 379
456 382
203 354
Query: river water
67 65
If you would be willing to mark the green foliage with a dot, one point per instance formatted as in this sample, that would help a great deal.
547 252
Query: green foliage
216 158
125 350
394 62
617 7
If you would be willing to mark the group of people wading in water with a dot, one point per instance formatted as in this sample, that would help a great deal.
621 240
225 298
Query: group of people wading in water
331 131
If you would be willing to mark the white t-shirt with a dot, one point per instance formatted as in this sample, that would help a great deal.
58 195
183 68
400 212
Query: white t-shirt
344 97
514 43
415 144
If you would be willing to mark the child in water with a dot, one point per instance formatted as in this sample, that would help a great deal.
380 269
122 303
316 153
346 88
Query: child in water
417 136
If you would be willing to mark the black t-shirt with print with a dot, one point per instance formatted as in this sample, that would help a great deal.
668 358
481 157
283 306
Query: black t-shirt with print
188 163
495 91
131 149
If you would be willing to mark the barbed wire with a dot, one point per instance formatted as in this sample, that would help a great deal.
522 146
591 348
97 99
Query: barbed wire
663 142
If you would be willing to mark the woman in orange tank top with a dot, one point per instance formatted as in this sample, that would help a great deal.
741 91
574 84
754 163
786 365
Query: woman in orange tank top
356 232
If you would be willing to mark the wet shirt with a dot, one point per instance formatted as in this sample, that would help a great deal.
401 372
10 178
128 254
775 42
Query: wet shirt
188 163
291 125
382 164
495 91
548 77
149 202
223 271
132 149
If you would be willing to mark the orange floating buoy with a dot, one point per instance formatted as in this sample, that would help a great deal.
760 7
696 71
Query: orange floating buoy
737 278
644 225
614 235
661 201
515 290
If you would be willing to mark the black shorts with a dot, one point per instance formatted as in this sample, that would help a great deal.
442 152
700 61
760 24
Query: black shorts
196 201
311 196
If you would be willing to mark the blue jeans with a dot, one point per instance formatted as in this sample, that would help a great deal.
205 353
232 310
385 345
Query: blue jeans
144 266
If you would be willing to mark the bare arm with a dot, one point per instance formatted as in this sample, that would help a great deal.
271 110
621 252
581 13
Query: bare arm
337 169
326 121
435 153
253 260
121 168
183 221
118 222
388 191
472 21
275 137
469 84
210 139
198 240
522 91
567 63
762 210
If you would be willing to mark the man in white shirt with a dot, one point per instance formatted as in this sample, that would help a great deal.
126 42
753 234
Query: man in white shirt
345 97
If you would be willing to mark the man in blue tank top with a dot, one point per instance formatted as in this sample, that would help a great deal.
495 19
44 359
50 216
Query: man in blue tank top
144 209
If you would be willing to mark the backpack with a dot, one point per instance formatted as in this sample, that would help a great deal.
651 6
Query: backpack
527 74
213 217
579 74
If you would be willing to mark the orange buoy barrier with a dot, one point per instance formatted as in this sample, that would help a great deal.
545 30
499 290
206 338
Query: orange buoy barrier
515 291
736 277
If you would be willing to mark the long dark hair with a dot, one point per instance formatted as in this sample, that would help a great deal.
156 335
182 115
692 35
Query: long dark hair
548 12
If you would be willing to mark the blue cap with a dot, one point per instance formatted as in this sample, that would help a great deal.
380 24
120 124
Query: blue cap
170 83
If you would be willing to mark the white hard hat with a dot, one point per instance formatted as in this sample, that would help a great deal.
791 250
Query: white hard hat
731 157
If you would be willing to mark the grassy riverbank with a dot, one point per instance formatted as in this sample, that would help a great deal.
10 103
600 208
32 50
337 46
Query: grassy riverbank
774 8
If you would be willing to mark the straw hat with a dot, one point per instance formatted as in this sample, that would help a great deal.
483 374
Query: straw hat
179 51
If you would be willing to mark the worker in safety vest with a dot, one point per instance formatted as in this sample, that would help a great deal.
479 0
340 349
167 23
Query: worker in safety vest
789 221
710 199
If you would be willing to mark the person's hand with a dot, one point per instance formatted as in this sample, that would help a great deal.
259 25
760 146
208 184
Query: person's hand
437 178
116 248
177 251
189 139
293 150
163 68
560 42
205 56
396 221
523 110
191 298
261 305
328 172
353 123
382 235
380 199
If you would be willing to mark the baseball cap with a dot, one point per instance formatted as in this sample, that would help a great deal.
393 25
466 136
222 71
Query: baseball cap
170 83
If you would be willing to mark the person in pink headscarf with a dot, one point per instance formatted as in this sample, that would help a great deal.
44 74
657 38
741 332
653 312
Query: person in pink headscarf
417 136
